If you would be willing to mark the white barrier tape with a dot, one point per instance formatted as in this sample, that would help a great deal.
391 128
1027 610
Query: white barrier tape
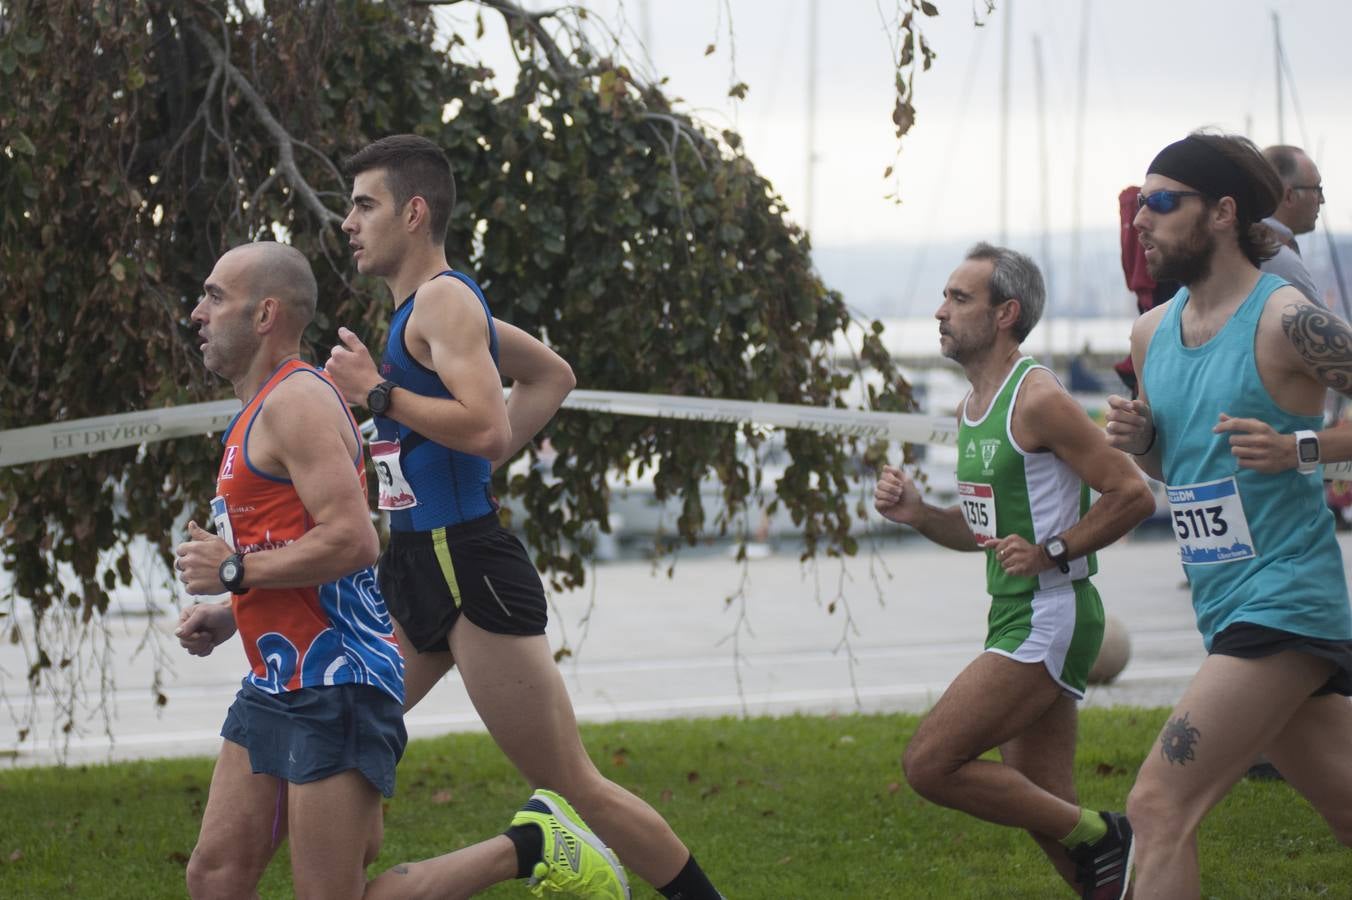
59 439
39 442
910 428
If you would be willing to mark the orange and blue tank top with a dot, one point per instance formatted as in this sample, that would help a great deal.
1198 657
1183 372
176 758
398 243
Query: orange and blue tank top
328 634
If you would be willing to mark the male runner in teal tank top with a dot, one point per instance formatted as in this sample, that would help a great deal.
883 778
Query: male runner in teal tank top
1027 451
1234 373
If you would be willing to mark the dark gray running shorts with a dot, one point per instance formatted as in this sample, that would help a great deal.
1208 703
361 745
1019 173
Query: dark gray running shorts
312 733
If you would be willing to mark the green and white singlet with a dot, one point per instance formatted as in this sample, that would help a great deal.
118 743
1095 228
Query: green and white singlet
1054 617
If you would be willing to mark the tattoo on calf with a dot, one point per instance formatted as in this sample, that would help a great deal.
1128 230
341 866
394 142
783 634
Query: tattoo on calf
1324 341
1178 740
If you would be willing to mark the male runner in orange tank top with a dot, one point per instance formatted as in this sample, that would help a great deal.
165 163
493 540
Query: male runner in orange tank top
313 737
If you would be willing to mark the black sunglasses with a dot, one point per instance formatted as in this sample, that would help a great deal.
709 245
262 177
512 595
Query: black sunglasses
1164 201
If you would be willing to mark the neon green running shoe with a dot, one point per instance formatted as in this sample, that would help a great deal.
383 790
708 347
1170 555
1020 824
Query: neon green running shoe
575 861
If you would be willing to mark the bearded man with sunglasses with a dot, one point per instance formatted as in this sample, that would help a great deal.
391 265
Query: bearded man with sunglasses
1234 371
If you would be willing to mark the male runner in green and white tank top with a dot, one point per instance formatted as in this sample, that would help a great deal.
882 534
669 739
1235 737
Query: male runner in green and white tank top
1004 489
1026 453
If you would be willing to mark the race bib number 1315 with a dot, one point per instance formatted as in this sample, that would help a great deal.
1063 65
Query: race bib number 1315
978 508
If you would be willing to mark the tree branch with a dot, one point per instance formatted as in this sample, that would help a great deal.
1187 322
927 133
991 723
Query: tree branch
286 155
531 20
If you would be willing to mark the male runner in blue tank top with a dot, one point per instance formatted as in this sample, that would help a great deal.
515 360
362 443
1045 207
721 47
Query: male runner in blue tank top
460 587
1234 373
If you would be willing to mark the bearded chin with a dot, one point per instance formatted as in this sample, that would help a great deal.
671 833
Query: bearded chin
1188 269
1190 264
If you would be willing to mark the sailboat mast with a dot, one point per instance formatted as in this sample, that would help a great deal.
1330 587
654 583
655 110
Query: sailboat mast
1043 151
809 186
1277 60
1076 289
1004 124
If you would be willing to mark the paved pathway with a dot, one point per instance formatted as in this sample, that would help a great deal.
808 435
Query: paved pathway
811 640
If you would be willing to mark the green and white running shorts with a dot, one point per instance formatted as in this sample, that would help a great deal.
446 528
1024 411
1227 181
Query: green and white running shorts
1061 627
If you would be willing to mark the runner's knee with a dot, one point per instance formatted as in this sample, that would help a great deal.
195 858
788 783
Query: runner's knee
216 876
927 769
1154 814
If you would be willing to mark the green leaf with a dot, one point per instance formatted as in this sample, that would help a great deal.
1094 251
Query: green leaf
30 44
22 144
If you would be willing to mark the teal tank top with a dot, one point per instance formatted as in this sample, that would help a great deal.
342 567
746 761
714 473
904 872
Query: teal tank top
1256 548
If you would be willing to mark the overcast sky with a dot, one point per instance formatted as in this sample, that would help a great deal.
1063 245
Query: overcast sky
1156 69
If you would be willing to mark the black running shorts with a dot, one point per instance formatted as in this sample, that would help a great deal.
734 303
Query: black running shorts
478 568
1250 641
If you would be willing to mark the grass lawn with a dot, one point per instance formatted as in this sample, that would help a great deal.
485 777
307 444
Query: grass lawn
799 807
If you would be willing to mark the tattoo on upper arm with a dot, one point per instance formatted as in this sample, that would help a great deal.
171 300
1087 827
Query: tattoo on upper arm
1324 341
1178 741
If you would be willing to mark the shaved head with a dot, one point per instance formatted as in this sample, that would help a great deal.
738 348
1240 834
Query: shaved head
280 271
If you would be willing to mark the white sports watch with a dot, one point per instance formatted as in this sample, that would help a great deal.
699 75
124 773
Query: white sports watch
1307 452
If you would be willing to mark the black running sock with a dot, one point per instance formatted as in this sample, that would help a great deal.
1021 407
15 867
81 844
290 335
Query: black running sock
530 847
690 884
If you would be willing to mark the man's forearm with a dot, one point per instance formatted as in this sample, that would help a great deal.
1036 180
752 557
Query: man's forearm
1150 462
529 409
946 527
1335 443
1113 514
323 554
450 423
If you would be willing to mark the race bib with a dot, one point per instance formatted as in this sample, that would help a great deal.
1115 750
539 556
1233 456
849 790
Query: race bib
1209 523
220 514
978 508
395 491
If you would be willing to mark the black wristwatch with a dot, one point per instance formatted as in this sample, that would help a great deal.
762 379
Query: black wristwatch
378 400
231 573
1057 551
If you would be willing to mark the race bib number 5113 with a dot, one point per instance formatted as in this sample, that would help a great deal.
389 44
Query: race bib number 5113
1209 522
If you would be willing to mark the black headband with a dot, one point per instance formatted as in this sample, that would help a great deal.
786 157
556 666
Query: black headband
1206 169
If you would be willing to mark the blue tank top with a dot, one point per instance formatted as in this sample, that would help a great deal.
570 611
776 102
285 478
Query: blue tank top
1289 574
451 486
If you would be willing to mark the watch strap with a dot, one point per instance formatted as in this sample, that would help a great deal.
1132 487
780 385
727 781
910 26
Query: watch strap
1061 558
235 562
378 398
1307 463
